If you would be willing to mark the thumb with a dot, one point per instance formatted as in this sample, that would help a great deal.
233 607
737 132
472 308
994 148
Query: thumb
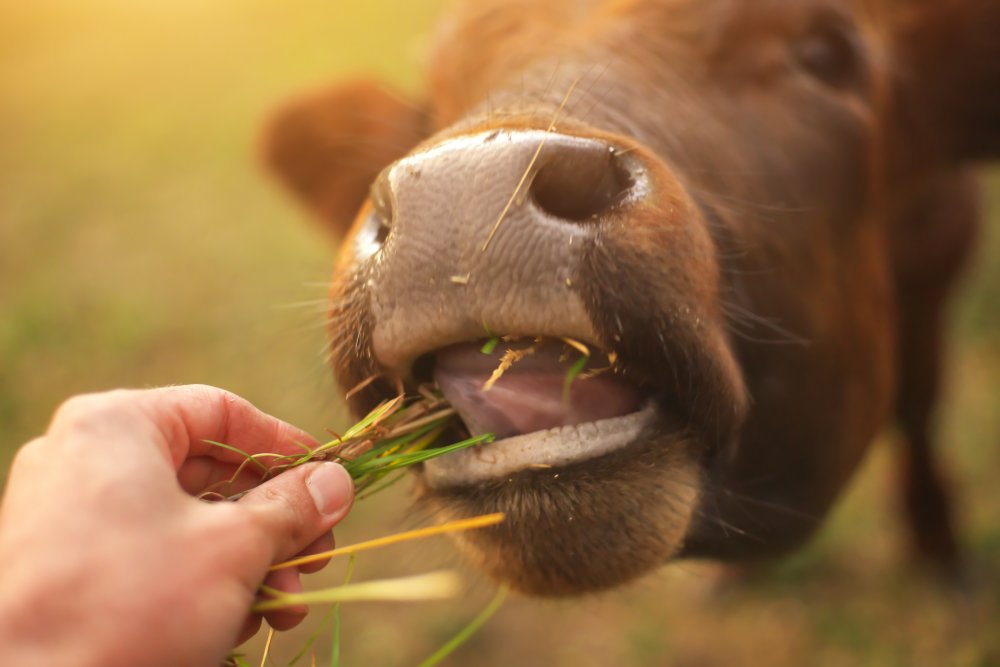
299 506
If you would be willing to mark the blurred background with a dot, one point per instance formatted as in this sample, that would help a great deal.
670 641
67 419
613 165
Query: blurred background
141 245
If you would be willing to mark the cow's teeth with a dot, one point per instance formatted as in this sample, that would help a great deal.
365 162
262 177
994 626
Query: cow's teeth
553 448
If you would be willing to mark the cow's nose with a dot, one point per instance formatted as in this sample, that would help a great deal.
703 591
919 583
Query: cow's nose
550 176
484 233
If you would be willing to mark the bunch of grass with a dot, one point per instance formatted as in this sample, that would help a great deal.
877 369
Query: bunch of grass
398 433
376 451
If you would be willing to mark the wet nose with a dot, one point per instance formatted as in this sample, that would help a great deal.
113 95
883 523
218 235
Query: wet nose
560 177
484 233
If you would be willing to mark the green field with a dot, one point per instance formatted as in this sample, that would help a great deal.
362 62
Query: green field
141 245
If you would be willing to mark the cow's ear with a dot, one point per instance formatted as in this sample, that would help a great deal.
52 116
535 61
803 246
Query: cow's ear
328 146
947 87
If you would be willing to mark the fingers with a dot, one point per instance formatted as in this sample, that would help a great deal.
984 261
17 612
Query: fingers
324 543
250 627
200 473
289 582
299 506
281 619
195 413
180 420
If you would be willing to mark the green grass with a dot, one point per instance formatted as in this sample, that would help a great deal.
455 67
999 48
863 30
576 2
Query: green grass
140 245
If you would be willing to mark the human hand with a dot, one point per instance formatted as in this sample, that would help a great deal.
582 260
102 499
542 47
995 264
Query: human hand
106 558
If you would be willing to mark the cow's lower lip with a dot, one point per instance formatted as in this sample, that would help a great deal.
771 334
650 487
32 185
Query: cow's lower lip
550 448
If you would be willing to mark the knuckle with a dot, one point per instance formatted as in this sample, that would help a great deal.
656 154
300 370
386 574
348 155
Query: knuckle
85 410
241 534
221 396
268 523
288 518
208 392
241 523
30 453
291 512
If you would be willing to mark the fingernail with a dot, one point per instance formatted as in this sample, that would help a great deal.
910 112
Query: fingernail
331 488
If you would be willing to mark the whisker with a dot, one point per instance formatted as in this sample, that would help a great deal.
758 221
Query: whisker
777 507
296 305
741 315
742 203
596 99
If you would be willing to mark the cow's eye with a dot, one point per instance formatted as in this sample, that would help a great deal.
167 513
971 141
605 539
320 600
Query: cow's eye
831 55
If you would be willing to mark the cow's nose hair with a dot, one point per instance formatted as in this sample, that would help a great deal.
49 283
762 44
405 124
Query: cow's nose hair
580 182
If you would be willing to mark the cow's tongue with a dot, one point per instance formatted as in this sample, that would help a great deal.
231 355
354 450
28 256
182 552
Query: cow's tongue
529 396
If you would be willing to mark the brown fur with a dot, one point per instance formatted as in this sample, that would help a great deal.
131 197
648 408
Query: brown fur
812 209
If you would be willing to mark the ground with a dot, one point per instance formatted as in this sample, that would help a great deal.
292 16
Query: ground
140 245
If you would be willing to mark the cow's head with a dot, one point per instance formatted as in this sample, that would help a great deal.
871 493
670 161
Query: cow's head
694 189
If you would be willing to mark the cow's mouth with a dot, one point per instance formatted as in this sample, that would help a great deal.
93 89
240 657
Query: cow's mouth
598 482
547 403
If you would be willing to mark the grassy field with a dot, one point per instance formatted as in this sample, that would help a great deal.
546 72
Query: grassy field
140 245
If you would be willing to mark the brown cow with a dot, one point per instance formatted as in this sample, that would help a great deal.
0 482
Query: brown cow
753 208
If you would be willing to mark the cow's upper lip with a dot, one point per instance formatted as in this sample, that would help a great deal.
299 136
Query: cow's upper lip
542 415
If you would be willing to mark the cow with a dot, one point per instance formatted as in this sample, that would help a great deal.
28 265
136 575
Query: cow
754 211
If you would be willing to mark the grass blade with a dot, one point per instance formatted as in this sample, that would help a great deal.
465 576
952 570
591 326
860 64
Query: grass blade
335 633
449 527
312 638
403 459
267 647
332 618
571 375
392 481
237 450
433 586
470 629
372 418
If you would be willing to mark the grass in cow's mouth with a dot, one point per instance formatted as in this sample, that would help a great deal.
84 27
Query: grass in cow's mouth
508 359
576 368
575 371
490 345
398 433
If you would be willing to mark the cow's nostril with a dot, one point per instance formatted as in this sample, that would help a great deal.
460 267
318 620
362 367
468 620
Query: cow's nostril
581 184
382 230
382 213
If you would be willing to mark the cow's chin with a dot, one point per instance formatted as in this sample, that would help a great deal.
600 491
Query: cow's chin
583 524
